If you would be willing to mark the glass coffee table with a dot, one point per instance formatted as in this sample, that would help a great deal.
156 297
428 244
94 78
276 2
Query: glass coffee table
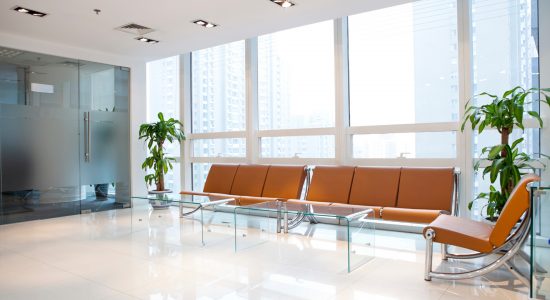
190 206
348 241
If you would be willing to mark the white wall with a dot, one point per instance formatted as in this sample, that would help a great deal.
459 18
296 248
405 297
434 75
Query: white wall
137 90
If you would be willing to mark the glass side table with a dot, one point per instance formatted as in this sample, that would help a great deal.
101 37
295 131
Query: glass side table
190 206
348 242
539 243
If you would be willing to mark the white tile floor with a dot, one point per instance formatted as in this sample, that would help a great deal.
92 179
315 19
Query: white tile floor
142 254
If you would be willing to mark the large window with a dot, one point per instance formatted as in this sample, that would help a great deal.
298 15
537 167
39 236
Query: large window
403 64
296 78
403 69
393 98
505 55
218 105
163 96
218 88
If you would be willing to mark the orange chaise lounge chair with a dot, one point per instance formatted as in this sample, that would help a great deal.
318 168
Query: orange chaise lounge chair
504 238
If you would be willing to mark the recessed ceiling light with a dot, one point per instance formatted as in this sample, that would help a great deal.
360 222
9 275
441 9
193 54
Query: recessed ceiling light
29 11
283 3
204 23
146 40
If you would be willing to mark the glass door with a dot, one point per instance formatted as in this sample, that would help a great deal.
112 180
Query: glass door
64 136
104 137
38 137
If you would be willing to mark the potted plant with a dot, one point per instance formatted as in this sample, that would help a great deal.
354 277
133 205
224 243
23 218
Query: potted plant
156 135
504 114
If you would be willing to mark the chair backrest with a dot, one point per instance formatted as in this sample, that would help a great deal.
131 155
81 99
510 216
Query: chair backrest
249 180
284 182
375 186
330 184
515 207
220 178
426 188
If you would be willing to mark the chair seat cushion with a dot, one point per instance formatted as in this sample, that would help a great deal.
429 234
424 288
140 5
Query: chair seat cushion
410 214
461 232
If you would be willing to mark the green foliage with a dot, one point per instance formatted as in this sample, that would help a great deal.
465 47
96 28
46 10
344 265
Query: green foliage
503 113
155 135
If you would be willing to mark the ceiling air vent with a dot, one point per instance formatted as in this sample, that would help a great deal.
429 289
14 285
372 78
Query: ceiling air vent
134 28
9 53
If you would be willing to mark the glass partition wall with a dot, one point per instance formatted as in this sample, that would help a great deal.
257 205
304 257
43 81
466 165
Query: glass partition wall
64 136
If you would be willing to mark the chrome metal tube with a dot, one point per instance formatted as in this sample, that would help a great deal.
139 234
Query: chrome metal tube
87 138
430 234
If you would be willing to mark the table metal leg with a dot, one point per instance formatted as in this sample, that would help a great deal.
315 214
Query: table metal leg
285 222
278 221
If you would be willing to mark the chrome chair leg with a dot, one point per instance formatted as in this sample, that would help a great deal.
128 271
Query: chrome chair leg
430 234
444 252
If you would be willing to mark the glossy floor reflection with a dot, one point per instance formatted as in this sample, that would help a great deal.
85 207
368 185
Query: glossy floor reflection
143 254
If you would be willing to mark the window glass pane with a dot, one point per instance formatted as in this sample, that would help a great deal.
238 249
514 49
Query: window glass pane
296 78
218 88
409 145
298 146
172 178
200 171
219 147
404 64
504 40
505 55
163 93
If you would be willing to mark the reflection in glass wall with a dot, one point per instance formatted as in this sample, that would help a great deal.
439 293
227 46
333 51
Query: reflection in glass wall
42 133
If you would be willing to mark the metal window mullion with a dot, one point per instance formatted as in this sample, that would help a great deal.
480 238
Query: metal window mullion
341 67
185 116
465 140
251 67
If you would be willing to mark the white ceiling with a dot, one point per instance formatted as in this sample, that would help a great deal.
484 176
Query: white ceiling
73 22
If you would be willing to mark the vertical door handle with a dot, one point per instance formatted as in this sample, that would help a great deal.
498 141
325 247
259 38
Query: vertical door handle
87 138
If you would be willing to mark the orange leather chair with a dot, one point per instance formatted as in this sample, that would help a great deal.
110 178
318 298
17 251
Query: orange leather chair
374 187
281 183
424 194
219 180
481 237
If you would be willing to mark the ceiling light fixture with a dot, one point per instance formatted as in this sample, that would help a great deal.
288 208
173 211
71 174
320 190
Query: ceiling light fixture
146 40
283 3
204 23
29 11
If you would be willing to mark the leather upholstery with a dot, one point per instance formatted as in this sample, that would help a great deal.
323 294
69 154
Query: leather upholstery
461 232
284 182
479 236
249 180
220 178
426 188
410 215
330 184
375 186
515 207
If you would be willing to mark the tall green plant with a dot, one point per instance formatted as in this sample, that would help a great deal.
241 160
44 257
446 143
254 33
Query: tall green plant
503 113
155 135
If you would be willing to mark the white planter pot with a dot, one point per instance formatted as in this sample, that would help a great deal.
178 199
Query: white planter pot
159 204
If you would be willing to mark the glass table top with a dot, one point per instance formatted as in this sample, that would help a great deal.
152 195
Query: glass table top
310 208
183 198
